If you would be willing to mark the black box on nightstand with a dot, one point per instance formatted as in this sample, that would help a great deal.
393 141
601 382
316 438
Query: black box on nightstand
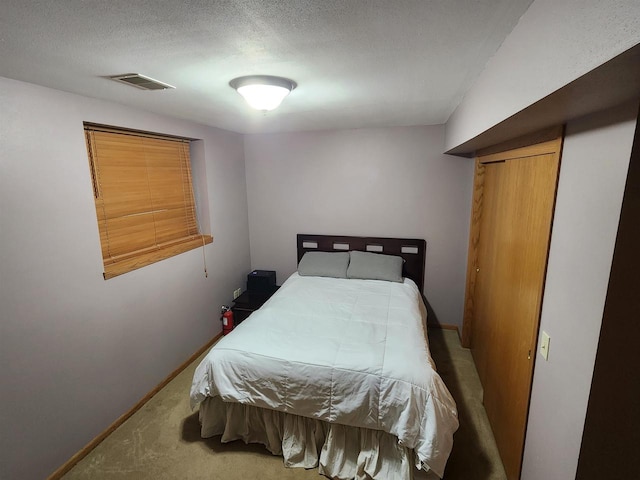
261 281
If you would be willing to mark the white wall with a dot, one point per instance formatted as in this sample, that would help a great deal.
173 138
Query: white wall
554 43
77 351
595 160
392 182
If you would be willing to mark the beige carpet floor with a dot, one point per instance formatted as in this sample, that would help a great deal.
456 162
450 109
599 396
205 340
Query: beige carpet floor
162 439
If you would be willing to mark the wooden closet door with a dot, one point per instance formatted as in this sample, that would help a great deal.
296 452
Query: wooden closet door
518 196
484 332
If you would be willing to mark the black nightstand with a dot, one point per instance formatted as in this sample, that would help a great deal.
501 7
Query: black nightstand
249 302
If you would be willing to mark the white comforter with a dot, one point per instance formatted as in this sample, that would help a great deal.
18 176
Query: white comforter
345 351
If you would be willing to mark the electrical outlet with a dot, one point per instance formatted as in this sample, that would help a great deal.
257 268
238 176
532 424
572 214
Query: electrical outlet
236 293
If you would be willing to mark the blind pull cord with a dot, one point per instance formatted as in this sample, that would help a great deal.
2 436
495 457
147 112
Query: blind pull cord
204 259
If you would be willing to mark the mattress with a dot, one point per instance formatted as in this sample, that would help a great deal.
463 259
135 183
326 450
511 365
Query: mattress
343 351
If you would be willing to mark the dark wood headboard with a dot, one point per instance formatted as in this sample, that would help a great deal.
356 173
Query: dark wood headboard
413 251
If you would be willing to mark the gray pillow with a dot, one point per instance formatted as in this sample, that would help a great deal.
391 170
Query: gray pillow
324 264
375 266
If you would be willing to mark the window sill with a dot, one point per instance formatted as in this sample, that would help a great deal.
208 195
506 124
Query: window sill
113 268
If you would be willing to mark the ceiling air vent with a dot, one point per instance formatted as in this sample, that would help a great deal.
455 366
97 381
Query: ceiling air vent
141 81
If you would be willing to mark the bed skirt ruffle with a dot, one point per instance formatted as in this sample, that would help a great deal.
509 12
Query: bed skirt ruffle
338 451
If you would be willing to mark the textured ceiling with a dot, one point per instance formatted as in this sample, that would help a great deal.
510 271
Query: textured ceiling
358 63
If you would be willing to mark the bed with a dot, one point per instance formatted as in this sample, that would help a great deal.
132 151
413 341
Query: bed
335 373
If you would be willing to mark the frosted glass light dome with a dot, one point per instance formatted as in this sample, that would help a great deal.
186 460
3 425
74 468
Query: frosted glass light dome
263 92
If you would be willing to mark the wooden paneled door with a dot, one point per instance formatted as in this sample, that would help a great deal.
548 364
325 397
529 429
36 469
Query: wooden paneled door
514 199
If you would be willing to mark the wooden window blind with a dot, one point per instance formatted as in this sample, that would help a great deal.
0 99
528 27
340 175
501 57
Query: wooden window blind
143 196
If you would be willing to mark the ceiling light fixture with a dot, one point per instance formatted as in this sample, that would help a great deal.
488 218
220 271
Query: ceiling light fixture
263 92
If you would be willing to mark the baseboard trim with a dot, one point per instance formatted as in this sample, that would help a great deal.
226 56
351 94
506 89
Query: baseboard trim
444 326
69 464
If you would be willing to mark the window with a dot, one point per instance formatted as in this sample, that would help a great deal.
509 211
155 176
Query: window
144 197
